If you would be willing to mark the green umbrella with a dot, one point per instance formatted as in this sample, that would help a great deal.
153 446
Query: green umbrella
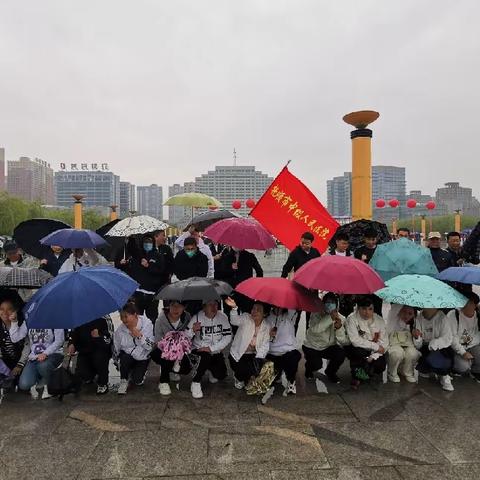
193 199
402 257
421 291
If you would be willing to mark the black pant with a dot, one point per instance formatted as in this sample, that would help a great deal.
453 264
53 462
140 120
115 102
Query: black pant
93 363
358 359
288 363
297 320
146 304
314 360
129 367
248 366
346 304
215 362
167 365
377 305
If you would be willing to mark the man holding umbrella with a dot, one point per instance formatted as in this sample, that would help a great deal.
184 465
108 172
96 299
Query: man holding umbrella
15 257
53 260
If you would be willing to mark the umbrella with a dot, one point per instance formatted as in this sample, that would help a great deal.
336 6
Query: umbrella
333 273
194 200
114 246
279 292
241 233
75 298
355 231
23 277
29 233
73 238
471 247
402 257
195 288
206 219
135 225
470 275
421 291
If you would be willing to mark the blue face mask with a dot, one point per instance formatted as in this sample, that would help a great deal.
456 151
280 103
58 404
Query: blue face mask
148 247
330 307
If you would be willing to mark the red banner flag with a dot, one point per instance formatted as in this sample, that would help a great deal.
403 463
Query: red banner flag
288 209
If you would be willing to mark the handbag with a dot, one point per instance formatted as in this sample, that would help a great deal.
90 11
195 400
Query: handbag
62 381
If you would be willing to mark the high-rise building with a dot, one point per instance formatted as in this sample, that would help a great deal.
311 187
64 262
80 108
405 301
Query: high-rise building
175 213
150 201
101 188
127 198
31 180
454 197
3 185
339 195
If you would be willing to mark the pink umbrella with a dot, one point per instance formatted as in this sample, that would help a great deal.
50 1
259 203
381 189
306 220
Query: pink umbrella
281 293
241 233
333 273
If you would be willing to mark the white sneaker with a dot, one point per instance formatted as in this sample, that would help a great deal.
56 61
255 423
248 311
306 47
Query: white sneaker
174 377
45 393
394 378
238 384
410 379
34 392
446 383
102 389
211 378
425 375
291 388
196 389
122 387
164 389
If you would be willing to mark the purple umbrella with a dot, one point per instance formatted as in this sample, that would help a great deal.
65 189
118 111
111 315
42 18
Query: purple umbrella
73 238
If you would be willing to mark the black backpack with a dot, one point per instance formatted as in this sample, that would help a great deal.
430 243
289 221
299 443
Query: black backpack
62 381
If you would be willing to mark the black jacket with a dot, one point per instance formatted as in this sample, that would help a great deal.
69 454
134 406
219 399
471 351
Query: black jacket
53 263
247 264
10 357
368 252
186 267
168 261
297 258
84 342
150 278
442 258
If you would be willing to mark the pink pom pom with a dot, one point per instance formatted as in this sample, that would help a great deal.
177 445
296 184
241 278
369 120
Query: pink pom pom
174 345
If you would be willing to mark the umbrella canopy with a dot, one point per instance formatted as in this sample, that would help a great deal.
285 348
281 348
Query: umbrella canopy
73 238
402 257
470 275
279 292
471 247
421 291
206 219
29 233
195 288
193 199
241 233
333 273
23 277
355 231
137 225
115 246
75 298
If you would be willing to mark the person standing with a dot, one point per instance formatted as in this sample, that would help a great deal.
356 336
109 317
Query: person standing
166 252
366 251
201 245
53 259
455 249
14 257
190 261
342 246
80 258
440 257
403 232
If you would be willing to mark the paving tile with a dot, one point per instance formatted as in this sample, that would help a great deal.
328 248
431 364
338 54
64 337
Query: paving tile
443 472
343 473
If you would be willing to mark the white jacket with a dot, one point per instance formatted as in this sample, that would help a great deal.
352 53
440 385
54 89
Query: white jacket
362 332
90 258
436 332
138 348
321 332
216 332
285 339
203 247
245 332
464 331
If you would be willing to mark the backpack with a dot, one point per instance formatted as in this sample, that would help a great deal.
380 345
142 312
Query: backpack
62 381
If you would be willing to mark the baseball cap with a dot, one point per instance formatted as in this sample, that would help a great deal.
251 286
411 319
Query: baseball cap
10 246
434 235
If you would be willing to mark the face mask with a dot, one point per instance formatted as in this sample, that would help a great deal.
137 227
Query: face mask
330 307
190 253
148 247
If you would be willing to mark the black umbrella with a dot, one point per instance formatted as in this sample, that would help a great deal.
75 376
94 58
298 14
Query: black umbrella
355 231
471 247
206 219
195 288
28 234
115 245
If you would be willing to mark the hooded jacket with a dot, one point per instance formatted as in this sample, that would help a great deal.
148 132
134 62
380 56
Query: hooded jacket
90 258
322 334
436 332
44 341
163 325
465 332
54 263
188 267
247 264
204 248
138 348
81 337
297 258
216 332
399 332
362 332
150 278
11 349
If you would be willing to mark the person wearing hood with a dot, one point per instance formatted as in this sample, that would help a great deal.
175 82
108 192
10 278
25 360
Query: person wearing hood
402 354
81 258
133 342
326 338
193 232
173 318
211 334
53 259
433 337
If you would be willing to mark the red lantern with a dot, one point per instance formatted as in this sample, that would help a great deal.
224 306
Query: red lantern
394 203
236 204
250 203
430 205
380 203
411 203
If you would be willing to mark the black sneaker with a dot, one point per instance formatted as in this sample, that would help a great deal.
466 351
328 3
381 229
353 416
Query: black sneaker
333 378
102 389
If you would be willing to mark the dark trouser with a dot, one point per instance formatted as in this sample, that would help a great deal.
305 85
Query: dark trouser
436 361
167 365
297 320
146 304
215 362
314 360
93 363
346 304
248 366
377 305
129 367
358 359
288 363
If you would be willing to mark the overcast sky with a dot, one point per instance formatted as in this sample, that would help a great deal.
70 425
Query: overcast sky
163 90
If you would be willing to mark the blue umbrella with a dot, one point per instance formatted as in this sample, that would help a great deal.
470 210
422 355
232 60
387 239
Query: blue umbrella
469 275
73 238
75 298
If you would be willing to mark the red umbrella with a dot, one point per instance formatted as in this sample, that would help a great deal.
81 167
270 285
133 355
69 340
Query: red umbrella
333 273
241 233
280 292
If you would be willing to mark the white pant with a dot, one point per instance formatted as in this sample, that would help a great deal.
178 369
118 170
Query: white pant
406 355
462 366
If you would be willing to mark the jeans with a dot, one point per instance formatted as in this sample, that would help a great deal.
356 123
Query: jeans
436 361
462 366
37 373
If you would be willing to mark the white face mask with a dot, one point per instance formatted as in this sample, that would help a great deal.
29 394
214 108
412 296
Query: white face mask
330 307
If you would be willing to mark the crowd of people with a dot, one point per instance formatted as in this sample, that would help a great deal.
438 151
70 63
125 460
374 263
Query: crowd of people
241 332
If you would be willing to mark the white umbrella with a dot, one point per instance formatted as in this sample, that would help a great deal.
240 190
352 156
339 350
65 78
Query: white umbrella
136 225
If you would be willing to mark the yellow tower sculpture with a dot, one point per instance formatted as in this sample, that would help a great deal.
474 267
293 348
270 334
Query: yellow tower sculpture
361 162
77 210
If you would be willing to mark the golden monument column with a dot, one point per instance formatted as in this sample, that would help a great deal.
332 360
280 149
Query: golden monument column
77 210
113 212
458 220
361 162
424 229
